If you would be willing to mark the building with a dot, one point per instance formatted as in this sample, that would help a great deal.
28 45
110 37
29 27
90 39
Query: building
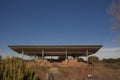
40 51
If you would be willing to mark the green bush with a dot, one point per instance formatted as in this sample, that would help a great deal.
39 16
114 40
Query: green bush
111 60
81 60
13 68
0 57
61 68
93 59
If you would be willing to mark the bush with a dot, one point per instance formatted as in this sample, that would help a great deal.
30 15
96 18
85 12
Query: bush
0 57
93 59
14 69
81 60
111 60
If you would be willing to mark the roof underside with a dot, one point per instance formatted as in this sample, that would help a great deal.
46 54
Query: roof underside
56 50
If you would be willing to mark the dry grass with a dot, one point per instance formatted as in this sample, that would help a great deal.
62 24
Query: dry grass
99 72
104 73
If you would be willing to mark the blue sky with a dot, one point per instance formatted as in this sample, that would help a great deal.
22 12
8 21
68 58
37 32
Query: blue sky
35 22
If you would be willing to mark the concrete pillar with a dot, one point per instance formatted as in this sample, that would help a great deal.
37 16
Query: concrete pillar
87 55
42 54
22 53
66 54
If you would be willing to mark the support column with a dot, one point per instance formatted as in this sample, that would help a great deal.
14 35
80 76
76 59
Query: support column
42 54
35 57
22 53
66 54
87 55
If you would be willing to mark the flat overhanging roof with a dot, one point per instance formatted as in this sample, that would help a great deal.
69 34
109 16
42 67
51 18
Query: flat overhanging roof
55 50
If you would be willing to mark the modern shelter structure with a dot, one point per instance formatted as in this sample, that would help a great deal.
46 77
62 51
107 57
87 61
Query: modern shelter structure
56 50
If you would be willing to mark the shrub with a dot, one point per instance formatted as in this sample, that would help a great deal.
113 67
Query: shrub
15 69
111 60
81 60
0 57
93 59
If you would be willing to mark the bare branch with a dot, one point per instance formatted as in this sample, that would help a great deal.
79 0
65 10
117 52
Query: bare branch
114 11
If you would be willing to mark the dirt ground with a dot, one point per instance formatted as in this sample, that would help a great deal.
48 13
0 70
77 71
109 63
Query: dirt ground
91 73
97 72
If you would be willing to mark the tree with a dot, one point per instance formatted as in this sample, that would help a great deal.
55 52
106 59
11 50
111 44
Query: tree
93 59
114 11
0 56
111 60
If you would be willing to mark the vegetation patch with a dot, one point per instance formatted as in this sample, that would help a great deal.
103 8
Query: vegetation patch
61 68
13 68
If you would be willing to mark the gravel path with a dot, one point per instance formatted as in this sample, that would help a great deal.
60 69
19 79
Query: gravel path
54 74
